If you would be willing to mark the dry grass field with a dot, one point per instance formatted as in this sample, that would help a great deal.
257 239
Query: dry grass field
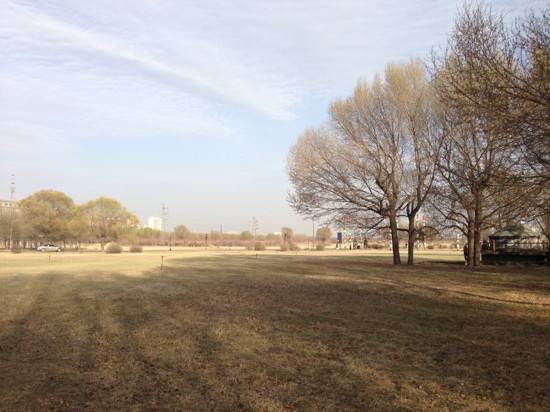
228 331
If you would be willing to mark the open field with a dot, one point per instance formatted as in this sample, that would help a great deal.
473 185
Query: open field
235 330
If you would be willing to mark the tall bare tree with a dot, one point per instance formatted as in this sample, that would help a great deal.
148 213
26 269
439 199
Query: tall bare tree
482 165
531 91
374 159
331 179
369 128
522 74
472 186
417 105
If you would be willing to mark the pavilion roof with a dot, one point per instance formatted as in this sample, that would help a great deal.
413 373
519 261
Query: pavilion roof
514 231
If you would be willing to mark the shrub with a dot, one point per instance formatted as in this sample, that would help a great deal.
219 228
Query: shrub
16 250
259 246
294 247
113 248
320 246
136 249
285 247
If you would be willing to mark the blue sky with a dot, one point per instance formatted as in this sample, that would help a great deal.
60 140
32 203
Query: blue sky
191 104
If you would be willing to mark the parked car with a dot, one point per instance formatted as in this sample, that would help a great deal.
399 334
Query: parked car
49 247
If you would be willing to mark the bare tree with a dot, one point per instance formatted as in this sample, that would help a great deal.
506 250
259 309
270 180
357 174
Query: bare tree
374 160
481 166
287 234
418 107
108 220
531 91
329 180
522 74
472 187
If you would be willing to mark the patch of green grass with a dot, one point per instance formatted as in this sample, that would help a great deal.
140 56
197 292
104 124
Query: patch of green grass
273 332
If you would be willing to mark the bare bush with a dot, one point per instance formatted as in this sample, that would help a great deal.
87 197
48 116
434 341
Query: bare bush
113 248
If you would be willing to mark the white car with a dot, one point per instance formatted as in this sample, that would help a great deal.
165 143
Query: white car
49 247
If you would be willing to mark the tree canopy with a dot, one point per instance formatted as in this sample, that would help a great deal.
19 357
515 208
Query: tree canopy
375 159
46 215
323 234
470 139
108 220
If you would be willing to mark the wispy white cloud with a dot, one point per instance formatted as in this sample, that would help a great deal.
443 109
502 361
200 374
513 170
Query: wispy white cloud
185 62
218 88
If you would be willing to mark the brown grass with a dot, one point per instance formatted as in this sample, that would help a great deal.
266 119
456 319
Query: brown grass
273 332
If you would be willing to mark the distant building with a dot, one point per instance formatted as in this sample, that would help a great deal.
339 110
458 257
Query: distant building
155 222
8 208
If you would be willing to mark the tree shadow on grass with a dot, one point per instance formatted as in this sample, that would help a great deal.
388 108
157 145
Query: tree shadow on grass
268 334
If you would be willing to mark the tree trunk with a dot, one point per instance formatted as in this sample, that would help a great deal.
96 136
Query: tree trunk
395 240
478 219
477 247
412 236
471 240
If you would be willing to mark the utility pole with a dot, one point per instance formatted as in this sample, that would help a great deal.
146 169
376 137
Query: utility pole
12 210
163 225
163 217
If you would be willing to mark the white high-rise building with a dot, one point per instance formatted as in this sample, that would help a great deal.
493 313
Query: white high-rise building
155 222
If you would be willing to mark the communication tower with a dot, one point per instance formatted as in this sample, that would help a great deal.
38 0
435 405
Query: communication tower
254 227
163 215
12 187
